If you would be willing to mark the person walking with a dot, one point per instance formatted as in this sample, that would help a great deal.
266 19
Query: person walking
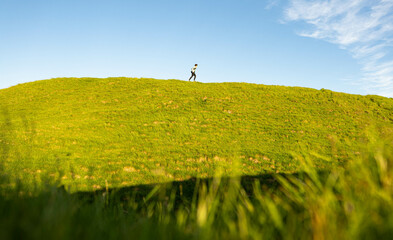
193 69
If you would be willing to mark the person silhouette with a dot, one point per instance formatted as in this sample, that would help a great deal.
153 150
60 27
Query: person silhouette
193 69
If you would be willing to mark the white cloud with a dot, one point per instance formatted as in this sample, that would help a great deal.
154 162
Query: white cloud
363 27
272 3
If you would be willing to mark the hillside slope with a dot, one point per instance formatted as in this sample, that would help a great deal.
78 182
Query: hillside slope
93 133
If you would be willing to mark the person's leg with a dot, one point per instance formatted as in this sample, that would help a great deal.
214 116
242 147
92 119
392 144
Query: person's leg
192 74
194 77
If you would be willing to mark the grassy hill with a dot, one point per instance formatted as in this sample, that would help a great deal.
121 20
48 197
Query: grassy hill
95 133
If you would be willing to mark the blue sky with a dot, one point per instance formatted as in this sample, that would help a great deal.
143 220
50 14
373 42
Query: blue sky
342 45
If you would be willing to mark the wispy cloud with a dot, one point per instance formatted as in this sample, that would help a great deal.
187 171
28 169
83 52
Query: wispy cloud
272 3
363 27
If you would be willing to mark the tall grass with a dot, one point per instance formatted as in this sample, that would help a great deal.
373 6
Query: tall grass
355 202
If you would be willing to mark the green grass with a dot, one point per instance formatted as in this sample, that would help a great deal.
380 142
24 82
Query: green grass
96 133
351 203
179 160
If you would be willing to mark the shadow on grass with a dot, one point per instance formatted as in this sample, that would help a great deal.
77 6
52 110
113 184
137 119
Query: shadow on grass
188 190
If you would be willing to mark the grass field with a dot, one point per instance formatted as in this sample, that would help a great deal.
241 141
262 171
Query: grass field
124 158
351 203
114 132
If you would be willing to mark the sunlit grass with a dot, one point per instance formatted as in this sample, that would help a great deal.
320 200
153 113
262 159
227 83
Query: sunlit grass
303 164
90 132
351 203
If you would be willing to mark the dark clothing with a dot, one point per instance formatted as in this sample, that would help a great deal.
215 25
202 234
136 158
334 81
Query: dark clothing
192 75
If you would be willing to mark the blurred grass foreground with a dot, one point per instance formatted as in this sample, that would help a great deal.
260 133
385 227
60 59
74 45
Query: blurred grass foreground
331 181
351 203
